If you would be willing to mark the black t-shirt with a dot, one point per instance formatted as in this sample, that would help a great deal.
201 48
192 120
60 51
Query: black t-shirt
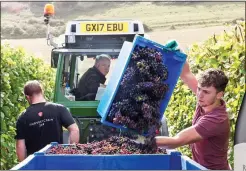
41 124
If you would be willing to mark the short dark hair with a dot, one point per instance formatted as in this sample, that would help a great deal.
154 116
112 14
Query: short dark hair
33 87
213 77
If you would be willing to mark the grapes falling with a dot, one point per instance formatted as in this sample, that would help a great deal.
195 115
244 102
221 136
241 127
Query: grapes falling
135 106
111 146
137 101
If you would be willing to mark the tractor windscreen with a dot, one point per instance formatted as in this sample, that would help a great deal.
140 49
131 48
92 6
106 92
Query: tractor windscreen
99 43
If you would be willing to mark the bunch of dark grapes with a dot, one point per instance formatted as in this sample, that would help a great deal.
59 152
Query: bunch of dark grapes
137 101
128 76
111 146
159 91
159 71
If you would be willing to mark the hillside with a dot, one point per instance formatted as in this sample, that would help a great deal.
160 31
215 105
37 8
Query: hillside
25 19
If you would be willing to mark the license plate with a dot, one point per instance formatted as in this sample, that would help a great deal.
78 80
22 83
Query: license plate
104 27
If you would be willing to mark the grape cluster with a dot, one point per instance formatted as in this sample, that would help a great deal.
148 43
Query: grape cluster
137 101
111 146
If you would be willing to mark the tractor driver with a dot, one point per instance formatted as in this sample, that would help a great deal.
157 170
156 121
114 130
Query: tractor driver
92 78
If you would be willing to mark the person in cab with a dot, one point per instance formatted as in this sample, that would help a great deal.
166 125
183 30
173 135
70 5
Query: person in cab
93 78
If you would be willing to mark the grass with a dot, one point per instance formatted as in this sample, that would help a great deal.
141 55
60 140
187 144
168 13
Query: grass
28 23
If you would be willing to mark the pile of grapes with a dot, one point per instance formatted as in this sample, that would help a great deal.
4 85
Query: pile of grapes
110 146
137 101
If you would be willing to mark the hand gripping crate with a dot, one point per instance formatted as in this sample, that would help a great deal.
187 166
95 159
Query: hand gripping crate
173 160
174 61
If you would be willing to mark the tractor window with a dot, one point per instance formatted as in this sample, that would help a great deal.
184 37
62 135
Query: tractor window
87 63
74 68
66 70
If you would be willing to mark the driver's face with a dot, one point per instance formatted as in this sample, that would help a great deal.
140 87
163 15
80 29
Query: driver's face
103 66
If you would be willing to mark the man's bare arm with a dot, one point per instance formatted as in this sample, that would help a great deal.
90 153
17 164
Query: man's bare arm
73 134
186 136
189 78
21 150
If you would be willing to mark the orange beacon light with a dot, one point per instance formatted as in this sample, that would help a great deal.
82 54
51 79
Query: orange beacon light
49 10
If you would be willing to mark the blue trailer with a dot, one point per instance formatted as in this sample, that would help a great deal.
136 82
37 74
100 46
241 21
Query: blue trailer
173 160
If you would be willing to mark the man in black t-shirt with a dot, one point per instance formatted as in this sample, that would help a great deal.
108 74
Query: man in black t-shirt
41 123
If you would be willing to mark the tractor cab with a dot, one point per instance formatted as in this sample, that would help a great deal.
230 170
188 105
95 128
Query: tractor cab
83 41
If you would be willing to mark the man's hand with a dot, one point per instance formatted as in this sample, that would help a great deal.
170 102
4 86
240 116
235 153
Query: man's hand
21 150
187 136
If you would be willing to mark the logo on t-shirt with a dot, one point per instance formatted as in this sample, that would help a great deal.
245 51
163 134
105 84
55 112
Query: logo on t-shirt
40 114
